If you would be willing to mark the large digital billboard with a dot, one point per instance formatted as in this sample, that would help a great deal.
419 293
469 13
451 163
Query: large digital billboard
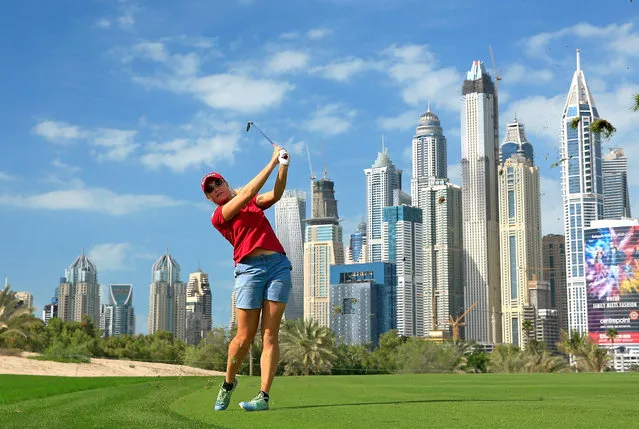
612 283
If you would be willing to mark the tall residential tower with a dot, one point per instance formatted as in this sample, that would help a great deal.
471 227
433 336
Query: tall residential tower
480 146
382 180
582 188
520 231
290 212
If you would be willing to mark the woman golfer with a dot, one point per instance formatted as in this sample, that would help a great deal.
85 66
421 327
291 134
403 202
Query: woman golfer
262 272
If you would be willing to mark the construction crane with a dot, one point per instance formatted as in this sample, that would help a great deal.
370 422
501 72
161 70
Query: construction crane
310 166
495 71
456 323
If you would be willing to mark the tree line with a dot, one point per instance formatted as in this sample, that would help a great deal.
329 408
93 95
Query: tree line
306 349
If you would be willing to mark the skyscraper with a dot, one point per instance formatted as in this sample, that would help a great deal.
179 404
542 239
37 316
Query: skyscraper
402 232
441 205
520 231
79 292
290 212
26 298
198 307
167 298
615 184
356 249
480 145
118 316
323 247
362 301
554 255
382 179
582 188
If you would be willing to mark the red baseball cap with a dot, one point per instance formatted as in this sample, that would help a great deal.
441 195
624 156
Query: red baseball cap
210 177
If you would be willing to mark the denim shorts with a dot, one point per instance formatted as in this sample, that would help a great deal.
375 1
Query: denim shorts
262 277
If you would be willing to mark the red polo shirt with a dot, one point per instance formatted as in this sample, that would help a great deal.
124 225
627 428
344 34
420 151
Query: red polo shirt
248 230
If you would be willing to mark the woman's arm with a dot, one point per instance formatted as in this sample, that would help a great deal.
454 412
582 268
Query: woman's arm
246 194
269 198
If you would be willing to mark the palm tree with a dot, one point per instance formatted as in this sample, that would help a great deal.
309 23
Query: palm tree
527 327
588 355
612 335
636 105
307 348
11 309
506 358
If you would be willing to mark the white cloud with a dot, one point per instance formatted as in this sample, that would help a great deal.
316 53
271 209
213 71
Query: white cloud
343 70
416 71
401 122
57 163
180 154
58 132
110 256
111 144
289 36
318 33
517 72
239 93
331 119
126 20
225 91
611 46
540 115
6 176
287 61
118 143
103 23
97 200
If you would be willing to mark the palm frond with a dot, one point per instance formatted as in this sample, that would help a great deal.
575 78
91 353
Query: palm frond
602 127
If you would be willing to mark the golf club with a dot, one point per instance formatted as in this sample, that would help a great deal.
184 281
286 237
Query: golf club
251 123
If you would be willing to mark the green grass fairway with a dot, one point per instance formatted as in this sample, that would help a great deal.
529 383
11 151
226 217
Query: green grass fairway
393 401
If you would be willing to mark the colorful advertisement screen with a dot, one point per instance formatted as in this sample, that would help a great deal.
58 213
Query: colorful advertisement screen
612 283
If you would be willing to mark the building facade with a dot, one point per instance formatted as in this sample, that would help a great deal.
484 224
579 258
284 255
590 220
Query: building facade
403 246
290 212
362 301
441 205
167 298
554 257
323 247
118 316
355 252
382 180
582 188
79 292
615 184
199 316
519 229
480 147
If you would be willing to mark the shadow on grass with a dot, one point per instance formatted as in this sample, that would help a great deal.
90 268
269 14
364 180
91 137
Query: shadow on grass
423 401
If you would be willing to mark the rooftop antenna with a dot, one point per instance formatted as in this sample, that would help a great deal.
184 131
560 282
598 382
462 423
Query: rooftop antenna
324 161
578 59
428 105
383 148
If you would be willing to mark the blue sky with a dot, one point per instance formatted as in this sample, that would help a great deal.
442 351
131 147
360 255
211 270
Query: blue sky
112 111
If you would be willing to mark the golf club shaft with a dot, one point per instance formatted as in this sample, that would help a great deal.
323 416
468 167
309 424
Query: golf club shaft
261 132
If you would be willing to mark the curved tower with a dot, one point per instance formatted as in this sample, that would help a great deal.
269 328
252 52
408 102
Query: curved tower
167 298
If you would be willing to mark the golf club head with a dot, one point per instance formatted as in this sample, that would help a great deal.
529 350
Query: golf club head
248 126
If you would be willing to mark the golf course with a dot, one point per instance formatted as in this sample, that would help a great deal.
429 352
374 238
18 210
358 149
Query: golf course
393 401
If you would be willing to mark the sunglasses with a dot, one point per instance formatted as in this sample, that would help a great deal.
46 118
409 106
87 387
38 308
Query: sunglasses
215 183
